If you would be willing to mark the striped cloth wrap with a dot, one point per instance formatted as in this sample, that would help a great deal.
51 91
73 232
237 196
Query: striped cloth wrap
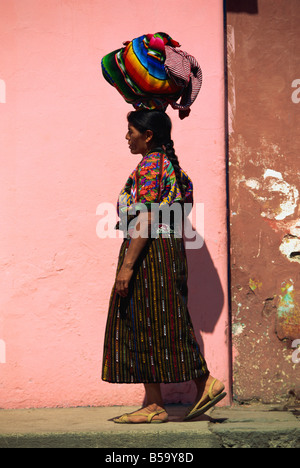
151 72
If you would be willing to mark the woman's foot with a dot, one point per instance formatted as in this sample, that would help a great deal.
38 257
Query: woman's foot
210 392
152 413
203 387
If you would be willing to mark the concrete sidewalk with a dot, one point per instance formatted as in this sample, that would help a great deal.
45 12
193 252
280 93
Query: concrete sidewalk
230 427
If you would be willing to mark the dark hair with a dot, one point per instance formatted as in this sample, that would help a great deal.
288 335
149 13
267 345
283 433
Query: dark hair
161 126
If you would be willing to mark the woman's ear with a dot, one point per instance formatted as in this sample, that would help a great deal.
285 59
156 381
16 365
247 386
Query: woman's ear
149 136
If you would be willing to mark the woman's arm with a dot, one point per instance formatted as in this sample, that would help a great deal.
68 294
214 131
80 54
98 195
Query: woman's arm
138 242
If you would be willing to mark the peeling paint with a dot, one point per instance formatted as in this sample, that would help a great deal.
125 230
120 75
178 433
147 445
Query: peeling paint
295 228
271 173
290 248
279 198
288 313
290 192
295 358
238 328
254 284
253 184
287 300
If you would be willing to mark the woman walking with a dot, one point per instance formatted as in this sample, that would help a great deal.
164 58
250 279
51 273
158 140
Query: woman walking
149 335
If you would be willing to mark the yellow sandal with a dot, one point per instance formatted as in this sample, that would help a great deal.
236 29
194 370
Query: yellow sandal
203 405
125 418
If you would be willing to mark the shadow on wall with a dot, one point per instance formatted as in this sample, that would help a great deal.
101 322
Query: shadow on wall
205 302
206 296
242 6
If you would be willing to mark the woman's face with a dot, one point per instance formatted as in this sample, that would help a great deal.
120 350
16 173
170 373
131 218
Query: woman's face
138 142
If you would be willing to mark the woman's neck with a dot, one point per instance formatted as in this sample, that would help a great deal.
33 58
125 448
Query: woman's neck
156 149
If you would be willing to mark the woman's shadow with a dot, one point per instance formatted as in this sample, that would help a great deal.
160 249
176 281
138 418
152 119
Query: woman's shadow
205 303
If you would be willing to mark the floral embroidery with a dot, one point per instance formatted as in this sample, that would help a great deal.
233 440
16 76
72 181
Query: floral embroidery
148 174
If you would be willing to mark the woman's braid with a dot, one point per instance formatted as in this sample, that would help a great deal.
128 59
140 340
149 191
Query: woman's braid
170 152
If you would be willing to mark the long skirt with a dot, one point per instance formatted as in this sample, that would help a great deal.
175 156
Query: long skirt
149 335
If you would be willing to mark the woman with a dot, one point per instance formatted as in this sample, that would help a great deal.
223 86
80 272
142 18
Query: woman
149 335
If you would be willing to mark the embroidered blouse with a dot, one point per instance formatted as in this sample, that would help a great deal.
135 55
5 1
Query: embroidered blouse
153 181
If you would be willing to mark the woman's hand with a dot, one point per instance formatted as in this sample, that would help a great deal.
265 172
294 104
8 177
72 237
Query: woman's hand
137 244
123 279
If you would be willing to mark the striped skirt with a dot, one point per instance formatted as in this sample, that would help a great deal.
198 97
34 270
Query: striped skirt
149 335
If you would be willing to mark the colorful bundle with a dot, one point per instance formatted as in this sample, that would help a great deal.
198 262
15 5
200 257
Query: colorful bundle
150 72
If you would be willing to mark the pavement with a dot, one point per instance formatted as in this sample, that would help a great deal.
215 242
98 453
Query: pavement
253 426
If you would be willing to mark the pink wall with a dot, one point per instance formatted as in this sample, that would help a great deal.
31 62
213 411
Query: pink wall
63 153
